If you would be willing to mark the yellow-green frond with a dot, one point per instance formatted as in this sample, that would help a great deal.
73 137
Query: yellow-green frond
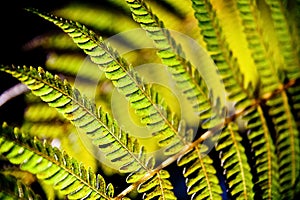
265 158
186 77
117 145
235 164
142 97
51 165
201 177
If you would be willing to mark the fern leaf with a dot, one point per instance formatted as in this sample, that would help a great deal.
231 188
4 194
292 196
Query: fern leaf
284 37
220 52
248 12
11 188
51 165
266 162
171 54
286 131
288 144
158 186
142 98
294 96
98 125
234 162
201 178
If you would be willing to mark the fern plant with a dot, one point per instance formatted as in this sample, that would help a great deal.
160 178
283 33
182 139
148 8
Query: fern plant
247 148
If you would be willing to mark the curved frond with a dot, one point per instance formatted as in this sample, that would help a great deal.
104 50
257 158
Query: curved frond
284 37
252 28
265 158
287 144
186 77
220 52
201 178
158 186
52 165
141 97
118 146
11 188
234 162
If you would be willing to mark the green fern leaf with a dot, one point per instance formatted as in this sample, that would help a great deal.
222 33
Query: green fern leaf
288 144
201 178
11 188
171 54
234 162
158 186
99 126
51 165
219 50
266 162
248 12
141 97
284 37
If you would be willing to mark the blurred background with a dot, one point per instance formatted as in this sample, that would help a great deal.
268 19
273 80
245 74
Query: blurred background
18 27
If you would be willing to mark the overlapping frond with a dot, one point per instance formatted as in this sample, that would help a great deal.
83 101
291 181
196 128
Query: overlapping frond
265 158
258 148
11 188
286 44
141 97
120 148
52 166
252 28
287 144
158 186
218 48
186 77
201 177
235 164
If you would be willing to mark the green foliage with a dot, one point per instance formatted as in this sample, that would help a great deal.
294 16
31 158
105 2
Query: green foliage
247 148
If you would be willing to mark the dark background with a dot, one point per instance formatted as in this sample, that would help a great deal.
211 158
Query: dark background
17 28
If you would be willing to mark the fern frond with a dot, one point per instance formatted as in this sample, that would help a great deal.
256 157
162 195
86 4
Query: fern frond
220 52
157 186
265 158
141 97
248 13
294 96
52 165
284 37
234 162
187 78
117 145
201 178
287 144
11 188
